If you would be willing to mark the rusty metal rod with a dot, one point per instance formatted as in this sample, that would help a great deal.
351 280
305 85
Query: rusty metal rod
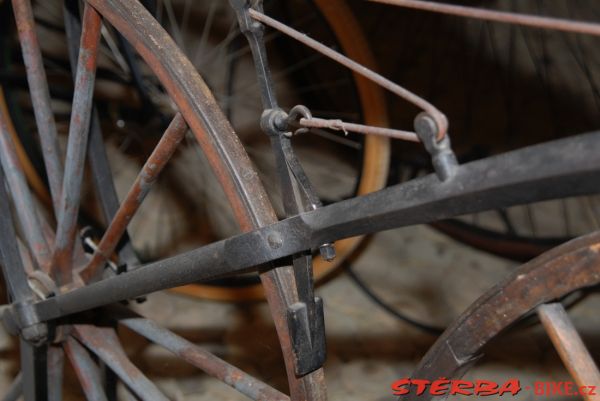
161 154
437 115
25 206
534 21
339 125
570 347
104 342
35 181
40 96
86 370
77 145
209 363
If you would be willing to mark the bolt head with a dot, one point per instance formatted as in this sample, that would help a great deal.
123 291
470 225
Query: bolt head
274 239
35 334
327 252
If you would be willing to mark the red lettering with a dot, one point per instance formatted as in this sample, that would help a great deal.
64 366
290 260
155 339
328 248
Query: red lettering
399 386
538 388
485 388
569 388
462 387
556 388
439 387
421 385
512 386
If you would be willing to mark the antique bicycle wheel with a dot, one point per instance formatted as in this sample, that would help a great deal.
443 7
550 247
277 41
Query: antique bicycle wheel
535 288
50 258
357 165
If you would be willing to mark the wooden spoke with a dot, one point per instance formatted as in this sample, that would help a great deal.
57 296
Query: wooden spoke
570 347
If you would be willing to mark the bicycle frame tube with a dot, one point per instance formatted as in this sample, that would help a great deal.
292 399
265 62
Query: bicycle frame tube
563 168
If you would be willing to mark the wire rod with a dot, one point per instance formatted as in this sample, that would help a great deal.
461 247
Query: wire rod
437 115
534 21
339 125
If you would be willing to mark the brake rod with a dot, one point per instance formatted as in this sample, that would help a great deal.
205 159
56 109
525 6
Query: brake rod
558 169
532 21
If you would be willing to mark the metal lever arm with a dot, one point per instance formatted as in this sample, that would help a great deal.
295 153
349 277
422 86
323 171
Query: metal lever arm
305 317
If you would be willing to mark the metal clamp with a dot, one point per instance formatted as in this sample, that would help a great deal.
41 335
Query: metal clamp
305 317
442 157
22 318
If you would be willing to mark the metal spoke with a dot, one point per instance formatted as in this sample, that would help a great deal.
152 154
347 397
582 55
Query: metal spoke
588 28
200 358
12 264
569 346
40 96
166 147
98 159
35 181
56 364
77 145
104 342
23 200
86 370
206 31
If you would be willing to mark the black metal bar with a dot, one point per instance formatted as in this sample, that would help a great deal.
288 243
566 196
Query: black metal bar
255 35
35 375
563 168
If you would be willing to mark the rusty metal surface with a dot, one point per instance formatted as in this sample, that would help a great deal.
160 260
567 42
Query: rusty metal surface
103 341
86 369
23 200
570 347
40 96
562 270
200 358
339 125
160 156
534 21
77 146
225 154
438 116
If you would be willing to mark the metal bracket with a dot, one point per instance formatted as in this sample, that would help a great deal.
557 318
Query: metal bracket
442 157
305 317
22 318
